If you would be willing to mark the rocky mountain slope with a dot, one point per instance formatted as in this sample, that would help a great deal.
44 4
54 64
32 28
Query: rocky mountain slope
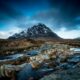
36 31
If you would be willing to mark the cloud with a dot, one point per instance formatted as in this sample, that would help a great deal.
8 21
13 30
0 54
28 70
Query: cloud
69 10
8 11
4 35
68 34
16 9
56 13
11 31
57 19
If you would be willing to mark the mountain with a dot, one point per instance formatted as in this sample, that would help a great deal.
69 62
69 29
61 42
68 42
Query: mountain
78 38
36 31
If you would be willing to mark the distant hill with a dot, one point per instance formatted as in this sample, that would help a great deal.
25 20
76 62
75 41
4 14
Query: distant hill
77 38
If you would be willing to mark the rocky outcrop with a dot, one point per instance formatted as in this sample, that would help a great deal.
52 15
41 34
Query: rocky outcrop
71 74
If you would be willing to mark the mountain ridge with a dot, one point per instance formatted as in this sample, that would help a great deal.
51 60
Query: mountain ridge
36 31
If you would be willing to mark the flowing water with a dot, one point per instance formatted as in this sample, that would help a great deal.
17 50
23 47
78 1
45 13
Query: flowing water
28 72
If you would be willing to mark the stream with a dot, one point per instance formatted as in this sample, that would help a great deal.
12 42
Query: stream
28 72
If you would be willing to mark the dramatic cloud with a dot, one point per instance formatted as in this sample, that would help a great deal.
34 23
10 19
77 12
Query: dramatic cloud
71 34
62 13
9 32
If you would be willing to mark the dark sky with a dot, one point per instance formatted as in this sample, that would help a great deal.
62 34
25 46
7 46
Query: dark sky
56 14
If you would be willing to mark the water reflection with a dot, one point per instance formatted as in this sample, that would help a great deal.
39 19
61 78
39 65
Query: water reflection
10 57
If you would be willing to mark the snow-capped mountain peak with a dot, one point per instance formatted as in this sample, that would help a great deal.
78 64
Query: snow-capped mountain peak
38 30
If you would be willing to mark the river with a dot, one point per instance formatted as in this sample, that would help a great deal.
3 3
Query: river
28 72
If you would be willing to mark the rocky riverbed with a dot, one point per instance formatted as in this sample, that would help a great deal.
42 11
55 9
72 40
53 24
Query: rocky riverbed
37 63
